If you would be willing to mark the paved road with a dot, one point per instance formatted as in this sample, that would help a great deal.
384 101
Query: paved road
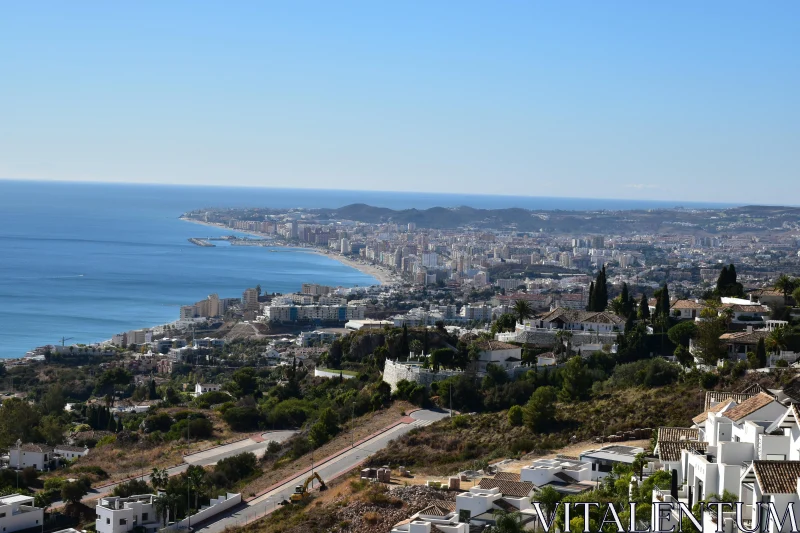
338 465
210 457
205 458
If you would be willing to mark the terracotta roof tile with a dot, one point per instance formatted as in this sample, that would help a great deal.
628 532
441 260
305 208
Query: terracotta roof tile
777 477
714 397
671 450
518 489
677 434
720 407
750 406
508 476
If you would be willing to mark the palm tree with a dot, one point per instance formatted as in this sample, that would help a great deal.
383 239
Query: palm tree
162 505
507 523
522 310
159 478
776 340
548 497
786 285
196 478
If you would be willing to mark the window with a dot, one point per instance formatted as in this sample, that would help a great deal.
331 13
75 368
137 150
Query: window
122 521
108 520
604 468
2 515
144 517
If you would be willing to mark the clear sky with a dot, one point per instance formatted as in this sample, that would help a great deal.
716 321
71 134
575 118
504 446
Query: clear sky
684 100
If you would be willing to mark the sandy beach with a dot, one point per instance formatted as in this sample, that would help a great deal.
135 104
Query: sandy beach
380 273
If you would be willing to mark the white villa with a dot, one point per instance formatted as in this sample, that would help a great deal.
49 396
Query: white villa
38 456
17 512
747 444
474 509
120 515
202 388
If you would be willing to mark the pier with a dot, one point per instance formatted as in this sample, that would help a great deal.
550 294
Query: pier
201 242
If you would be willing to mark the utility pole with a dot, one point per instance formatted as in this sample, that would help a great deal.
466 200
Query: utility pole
188 479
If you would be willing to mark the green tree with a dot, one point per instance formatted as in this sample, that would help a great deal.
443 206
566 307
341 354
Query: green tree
196 478
18 421
53 401
52 430
644 308
761 353
505 522
576 381
515 415
777 339
590 305
681 333
159 478
548 497
540 411
74 491
405 347
796 296
787 286
522 310
709 348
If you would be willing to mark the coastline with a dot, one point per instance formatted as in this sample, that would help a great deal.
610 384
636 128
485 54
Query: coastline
382 275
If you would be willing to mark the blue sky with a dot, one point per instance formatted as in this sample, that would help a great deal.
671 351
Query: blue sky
679 100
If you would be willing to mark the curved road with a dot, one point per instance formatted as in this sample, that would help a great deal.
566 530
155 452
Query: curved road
257 445
268 502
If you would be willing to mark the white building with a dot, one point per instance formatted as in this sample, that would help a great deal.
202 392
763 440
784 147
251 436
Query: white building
501 354
39 456
70 452
567 476
120 515
202 388
17 512
602 460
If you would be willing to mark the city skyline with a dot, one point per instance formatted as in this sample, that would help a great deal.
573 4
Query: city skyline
680 102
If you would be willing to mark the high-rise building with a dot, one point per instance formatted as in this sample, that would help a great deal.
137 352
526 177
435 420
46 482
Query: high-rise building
250 300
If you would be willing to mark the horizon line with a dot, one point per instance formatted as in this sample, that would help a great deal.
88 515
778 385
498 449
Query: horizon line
388 191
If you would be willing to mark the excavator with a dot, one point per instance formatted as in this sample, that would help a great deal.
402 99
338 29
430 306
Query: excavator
301 491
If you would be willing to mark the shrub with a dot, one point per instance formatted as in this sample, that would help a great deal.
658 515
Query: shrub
131 488
782 363
515 415
460 421
242 418
237 467
107 440
205 401
157 422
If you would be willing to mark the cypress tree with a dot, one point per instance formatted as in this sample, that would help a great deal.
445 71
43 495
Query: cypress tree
624 298
590 307
601 290
665 301
112 425
761 353
644 308
722 280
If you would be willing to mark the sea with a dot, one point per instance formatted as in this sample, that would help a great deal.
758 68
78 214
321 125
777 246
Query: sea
82 261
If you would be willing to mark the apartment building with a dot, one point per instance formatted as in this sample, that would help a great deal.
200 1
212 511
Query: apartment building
17 513
120 515
745 444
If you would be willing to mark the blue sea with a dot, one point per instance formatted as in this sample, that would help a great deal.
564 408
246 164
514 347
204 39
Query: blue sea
88 260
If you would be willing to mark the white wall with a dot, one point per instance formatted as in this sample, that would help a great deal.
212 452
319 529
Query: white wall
217 505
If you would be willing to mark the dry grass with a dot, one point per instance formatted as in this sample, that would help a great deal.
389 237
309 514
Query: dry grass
125 459
443 448
365 426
